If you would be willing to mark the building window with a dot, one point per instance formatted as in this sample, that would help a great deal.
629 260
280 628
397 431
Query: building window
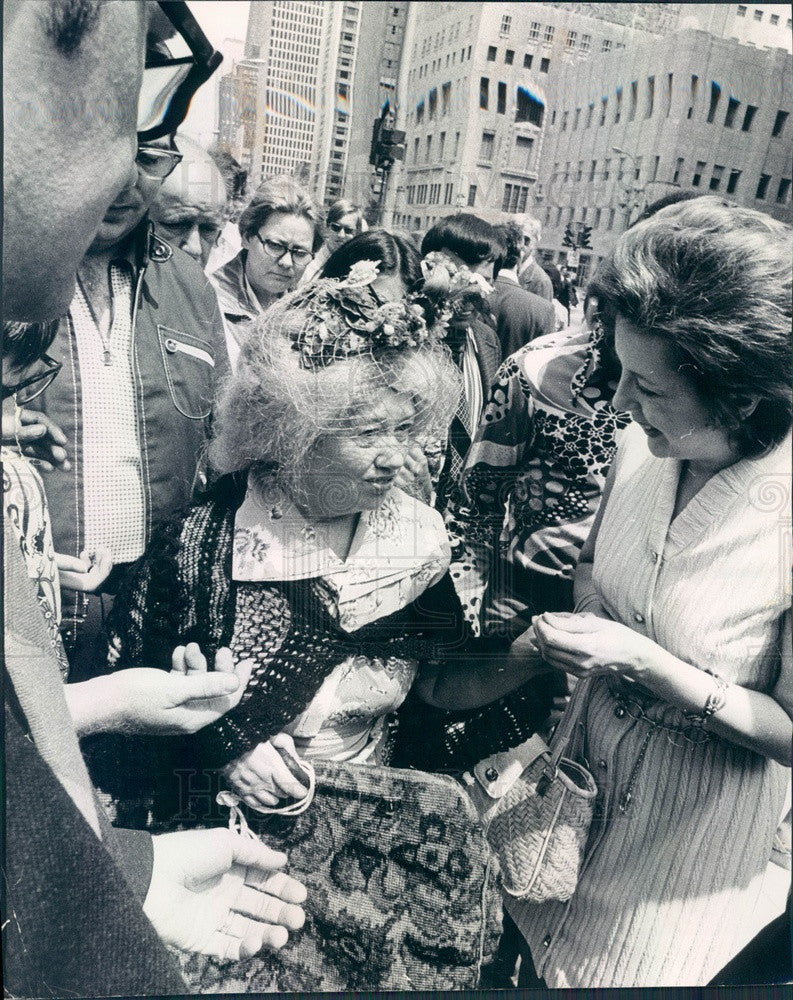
589 112
534 31
762 186
446 97
775 19
472 194
586 43
514 200
656 162
637 167
697 178
779 124
484 88
509 57
603 106
488 144
545 65
606 169
732 111
748 118
527 60
579 174
433 99
678 168
501 103
758 15
441 145
650 97
456 144
606 46
577 118
741 12
420 112
416 150
570 41
618 106
506 24
566 171
784 191
563 127
732 181
491 53
694 82
592 168
547 37
596 220
715 177
612 213
715 94
528 108
429 149
558 217
524 153
634 100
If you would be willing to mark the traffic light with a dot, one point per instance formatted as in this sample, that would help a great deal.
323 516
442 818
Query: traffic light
569 239
390 146
378 124
584 232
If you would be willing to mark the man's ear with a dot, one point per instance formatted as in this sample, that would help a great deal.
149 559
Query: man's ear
747 405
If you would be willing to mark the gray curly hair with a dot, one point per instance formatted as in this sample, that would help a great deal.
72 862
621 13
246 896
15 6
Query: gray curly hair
272 411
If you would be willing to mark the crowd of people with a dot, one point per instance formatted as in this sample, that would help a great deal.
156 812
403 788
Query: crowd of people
285 490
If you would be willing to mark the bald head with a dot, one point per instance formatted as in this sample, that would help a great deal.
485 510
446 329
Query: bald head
189 209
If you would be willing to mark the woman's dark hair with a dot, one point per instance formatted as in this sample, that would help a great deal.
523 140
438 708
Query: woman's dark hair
280 193
341 208
472 239
24 343
395 253
713 279
510 236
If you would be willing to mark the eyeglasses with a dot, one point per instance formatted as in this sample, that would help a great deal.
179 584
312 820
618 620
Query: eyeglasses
337 227
157 163
28 389
278 251
173 73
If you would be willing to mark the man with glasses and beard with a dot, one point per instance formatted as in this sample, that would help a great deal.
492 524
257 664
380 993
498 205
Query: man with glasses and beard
86 907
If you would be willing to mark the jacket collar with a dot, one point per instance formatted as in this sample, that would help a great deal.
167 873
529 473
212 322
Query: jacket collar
144 246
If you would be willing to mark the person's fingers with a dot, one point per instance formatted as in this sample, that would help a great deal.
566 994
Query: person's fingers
195 661
197 687
260 798
71 564
222 946
253 853
276 775
279 884
243 671
177 660
265 936
30 432
269 909
224 661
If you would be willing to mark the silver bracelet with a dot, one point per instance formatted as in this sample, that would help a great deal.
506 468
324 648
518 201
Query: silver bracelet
715 701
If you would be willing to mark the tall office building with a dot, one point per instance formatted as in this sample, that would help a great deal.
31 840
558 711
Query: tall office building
689 111
475 94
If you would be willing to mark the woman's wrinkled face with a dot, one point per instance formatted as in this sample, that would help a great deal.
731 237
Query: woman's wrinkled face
270 266
354 469
341 230
663 401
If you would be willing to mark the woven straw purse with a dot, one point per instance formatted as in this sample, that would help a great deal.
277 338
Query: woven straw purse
536 807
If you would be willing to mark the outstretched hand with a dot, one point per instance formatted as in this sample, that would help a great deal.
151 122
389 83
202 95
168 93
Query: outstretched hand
262 776
152 702
222 894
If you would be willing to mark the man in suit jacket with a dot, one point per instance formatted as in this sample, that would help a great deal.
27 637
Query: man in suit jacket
530 275
520 315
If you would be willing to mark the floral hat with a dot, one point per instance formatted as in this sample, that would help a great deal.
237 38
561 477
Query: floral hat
345 318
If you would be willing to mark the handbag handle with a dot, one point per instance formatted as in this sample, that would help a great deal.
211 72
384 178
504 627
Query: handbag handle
551 769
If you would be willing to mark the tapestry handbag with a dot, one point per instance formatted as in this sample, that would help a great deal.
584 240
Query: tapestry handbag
402 888
536 807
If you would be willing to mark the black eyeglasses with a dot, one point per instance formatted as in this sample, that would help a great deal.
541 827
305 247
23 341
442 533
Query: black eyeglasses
337 227
278 251
157 163
170 80
28 389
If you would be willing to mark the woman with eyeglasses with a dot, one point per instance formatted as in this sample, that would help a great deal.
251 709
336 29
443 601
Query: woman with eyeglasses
343 221
281 233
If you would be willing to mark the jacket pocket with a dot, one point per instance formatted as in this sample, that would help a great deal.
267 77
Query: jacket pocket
189 364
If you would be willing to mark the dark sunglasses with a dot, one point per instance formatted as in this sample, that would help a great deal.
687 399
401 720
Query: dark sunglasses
169 82
28 389
338 228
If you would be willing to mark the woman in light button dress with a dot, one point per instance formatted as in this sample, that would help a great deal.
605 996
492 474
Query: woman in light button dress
682 636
